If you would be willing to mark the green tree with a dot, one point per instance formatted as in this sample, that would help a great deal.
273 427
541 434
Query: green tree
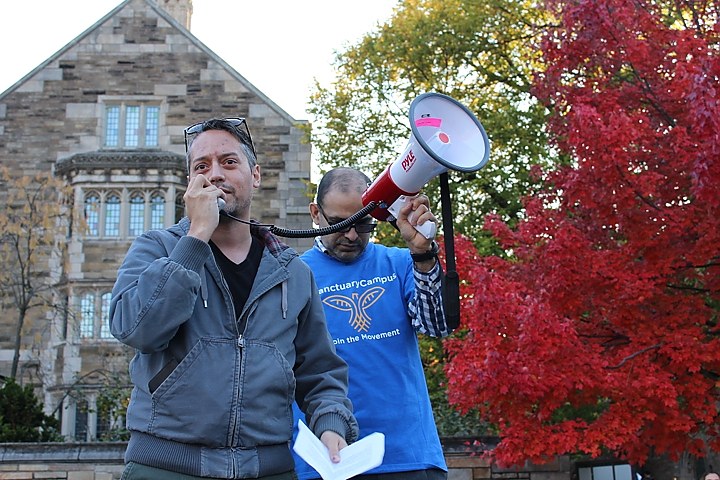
112 389
478 52
112 402
482 53
22 418
33 227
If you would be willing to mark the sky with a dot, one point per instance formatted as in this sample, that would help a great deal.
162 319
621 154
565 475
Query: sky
280 46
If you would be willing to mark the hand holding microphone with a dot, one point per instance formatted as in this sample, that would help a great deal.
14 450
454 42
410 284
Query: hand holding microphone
202 199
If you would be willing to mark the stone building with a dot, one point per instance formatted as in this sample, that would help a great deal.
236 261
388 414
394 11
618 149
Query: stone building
106 114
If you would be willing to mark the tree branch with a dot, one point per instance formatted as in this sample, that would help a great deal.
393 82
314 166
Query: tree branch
630 357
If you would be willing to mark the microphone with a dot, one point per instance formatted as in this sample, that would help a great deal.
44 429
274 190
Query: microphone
221 205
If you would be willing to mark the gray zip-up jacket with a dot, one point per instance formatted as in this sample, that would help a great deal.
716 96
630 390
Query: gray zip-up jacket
213 388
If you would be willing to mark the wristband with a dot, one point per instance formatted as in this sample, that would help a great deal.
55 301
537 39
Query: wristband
429 255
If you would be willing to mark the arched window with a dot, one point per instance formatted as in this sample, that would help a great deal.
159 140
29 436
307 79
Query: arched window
157 210
95 316
81 419
92 214
87 316
137 214
105 315
112 215
179 207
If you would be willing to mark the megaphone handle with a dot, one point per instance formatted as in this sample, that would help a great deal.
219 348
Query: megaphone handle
451 284
427 229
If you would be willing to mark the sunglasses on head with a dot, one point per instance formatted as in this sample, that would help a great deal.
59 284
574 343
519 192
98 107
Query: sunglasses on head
238 123
359 227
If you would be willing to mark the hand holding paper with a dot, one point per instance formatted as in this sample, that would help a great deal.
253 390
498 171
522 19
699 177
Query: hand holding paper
357 458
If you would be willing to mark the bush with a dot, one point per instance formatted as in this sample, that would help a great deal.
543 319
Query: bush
22 418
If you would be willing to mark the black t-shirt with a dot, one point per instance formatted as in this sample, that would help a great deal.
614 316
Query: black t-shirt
239 277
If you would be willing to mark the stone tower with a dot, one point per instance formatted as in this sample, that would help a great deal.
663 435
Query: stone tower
181 10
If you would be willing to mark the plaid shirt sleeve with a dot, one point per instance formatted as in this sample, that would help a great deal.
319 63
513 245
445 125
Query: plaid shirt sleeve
426 309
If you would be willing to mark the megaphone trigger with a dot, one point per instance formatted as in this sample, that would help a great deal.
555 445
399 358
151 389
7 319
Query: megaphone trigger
427 229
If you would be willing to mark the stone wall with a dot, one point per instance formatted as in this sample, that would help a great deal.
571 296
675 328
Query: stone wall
104 461
61 461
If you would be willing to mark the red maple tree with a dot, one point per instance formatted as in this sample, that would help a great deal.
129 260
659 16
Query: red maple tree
599 332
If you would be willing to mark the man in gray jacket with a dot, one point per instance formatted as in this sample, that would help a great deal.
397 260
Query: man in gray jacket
228 330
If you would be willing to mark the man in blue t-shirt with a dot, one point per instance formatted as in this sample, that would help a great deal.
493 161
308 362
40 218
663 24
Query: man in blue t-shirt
376 300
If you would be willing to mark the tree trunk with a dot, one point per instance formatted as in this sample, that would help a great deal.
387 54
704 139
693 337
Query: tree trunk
18 339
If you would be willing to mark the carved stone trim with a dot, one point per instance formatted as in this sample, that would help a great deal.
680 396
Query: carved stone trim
122 160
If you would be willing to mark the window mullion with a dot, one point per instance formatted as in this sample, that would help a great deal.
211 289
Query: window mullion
121 126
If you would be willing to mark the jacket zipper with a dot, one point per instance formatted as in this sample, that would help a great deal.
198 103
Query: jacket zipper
240 343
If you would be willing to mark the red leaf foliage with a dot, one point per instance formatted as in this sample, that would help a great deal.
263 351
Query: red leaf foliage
600 334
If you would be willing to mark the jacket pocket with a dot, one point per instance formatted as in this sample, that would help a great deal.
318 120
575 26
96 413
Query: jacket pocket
164 373
193 404
266 405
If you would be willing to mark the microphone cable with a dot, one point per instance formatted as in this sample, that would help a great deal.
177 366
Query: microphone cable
310 232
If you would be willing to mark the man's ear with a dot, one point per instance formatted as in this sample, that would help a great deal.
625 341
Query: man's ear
315 213
256 176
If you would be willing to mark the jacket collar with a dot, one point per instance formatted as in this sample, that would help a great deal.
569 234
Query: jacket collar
274 245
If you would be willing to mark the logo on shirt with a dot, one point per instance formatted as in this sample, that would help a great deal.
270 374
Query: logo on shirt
357 305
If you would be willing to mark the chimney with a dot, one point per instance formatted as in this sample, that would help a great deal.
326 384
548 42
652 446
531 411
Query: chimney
181 10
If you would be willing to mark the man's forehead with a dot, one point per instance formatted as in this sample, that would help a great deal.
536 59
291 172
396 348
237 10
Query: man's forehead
214 137
216 142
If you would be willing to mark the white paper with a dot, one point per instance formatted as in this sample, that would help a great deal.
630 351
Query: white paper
355 459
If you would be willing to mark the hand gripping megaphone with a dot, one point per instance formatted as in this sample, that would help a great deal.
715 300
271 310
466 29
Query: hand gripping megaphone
445 136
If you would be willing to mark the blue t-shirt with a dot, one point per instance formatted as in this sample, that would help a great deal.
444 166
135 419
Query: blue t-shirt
366 305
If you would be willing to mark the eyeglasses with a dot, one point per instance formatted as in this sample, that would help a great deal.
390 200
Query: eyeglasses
359 227
236 123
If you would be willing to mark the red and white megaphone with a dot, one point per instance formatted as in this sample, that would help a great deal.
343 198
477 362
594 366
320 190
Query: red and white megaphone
445 136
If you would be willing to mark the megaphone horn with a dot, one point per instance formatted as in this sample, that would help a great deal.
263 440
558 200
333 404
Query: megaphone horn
445 135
